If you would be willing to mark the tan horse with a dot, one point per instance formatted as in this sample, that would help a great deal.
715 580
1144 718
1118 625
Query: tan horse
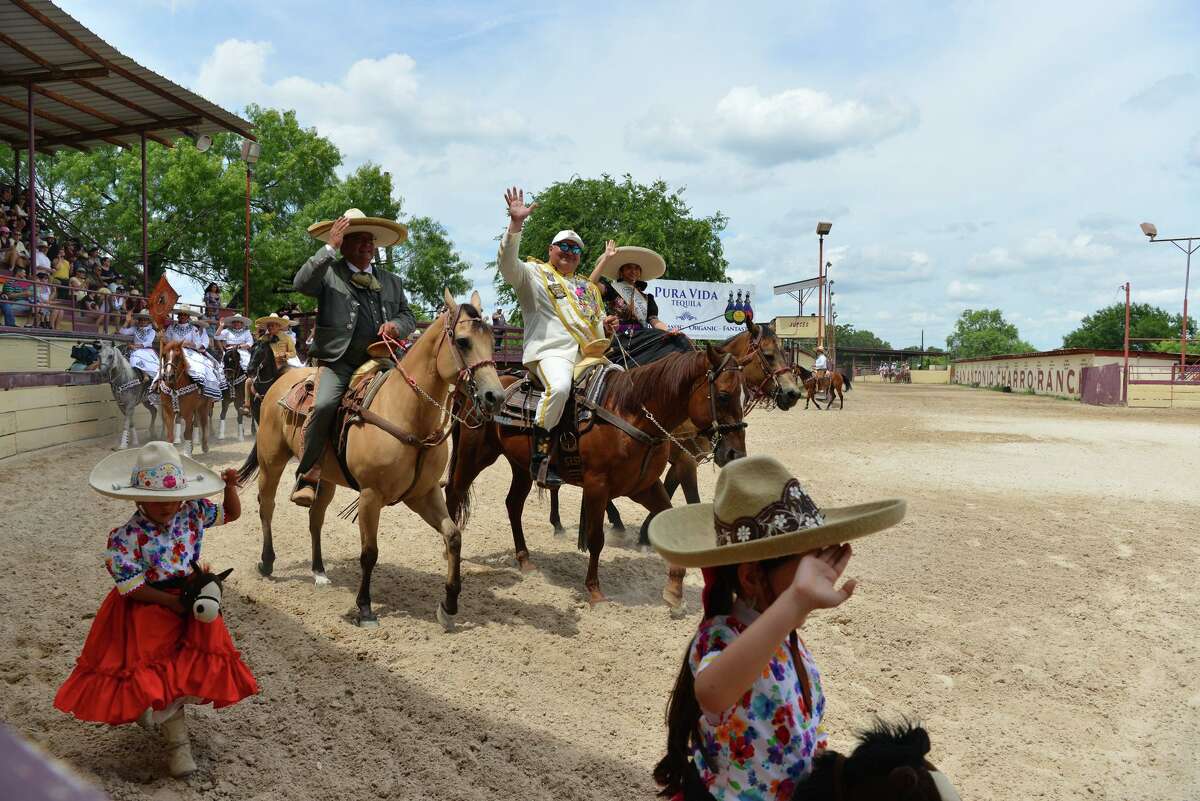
389 469
181 396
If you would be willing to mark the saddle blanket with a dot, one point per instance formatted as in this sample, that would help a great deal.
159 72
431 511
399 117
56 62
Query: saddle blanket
521 398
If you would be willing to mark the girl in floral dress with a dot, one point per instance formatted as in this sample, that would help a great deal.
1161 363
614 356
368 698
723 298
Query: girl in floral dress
143 658
744 719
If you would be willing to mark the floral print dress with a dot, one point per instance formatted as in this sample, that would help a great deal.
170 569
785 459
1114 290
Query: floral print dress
143 551
760 748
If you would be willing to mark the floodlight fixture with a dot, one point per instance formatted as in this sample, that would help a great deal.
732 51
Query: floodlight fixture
1149 230
203 142
823 228
250 151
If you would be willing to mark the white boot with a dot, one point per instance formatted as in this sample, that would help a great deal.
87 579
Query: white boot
221 431
179 747
241 436
124 439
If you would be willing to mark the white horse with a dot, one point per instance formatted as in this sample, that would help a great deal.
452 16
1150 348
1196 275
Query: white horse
129 387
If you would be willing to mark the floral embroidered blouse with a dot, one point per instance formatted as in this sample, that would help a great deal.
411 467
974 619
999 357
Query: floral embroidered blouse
761 747
142 550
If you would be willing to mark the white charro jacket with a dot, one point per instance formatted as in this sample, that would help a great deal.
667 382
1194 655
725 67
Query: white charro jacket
563 314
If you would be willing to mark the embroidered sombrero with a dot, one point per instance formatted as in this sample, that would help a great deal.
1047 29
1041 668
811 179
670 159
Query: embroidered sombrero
653 266
760 511
154 472
386 232
272 319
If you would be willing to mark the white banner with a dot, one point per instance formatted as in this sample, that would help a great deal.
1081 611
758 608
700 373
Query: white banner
684 304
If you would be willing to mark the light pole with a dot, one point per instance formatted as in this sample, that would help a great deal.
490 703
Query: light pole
1125 374
250 153
1149 230
823 228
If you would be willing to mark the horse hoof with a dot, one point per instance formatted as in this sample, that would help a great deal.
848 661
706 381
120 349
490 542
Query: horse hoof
678 611
265 569
445 618
369 621
320 579
526 565
597 598
559 531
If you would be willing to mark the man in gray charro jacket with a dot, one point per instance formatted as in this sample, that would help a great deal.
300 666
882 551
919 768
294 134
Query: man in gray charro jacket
356 305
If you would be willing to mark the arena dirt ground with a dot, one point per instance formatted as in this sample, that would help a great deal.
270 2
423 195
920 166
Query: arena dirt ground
1036 611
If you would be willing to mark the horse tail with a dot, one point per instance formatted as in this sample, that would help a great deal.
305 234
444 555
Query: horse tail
249 467
847 377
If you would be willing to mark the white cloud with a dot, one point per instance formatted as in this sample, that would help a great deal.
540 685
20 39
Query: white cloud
992 261
962 290
803 124
1048 245
668 139
1165 92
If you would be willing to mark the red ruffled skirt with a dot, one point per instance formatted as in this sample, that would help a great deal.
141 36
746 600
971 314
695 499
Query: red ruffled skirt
141 655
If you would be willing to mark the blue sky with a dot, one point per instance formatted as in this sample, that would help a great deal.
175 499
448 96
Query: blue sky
969 154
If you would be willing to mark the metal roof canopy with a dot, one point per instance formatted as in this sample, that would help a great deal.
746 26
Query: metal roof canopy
796 286
85 92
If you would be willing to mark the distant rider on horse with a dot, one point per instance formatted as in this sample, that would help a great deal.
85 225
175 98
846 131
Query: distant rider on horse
821 368
564 322
203 369
142 354
233 334
356 304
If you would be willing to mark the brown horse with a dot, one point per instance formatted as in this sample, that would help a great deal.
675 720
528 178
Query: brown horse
181 397
389 467
705 387
768 380
833 384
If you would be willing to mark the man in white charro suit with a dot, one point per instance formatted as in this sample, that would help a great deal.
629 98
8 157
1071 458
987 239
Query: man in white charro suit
564 319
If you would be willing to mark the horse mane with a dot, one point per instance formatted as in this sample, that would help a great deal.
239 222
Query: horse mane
880 750
630 390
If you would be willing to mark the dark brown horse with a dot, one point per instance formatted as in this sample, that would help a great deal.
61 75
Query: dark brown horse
181 396
833 384
705 387
768 380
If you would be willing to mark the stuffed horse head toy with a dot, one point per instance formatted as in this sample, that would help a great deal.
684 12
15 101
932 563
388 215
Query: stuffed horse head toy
202 592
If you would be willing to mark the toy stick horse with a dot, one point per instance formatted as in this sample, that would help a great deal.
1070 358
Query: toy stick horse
202 592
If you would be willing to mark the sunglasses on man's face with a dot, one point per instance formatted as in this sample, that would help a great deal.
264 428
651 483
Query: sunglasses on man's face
568 247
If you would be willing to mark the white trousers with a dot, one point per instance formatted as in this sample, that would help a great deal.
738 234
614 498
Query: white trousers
556 375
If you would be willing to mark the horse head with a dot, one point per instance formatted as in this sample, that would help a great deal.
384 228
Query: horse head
231 360
768 367
173 363
202 592
466 361
888 763
718 412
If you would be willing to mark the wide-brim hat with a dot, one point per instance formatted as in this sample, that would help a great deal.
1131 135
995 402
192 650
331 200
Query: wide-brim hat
154 472
274 319
760 511
651 263
238 318
387 232
140 313
183 310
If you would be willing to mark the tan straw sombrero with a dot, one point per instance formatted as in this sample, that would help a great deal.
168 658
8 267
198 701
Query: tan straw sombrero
387 232
272 318
760 511
651 263
237 318
154 472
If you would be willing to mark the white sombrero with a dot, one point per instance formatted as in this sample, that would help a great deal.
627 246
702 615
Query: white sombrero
651 263
386 232
760 511
238 318
154 472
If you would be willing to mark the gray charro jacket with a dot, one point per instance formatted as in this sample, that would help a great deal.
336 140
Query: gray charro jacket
327 278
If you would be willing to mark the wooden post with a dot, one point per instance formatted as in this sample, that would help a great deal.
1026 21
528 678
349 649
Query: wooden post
32 202
145 236
246 269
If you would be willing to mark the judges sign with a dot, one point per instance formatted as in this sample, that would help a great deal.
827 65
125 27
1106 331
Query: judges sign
701 307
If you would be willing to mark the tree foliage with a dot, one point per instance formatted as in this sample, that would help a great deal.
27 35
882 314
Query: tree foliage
649 215
1105 329
196 208
984 332
850 337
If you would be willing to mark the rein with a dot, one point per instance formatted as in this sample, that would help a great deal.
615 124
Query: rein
714 431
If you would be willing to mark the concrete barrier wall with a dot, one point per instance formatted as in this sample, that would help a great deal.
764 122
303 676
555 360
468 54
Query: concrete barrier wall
39 417
1057 373
918 377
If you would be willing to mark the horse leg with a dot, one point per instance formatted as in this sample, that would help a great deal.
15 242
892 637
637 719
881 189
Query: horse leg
614 517
655 500
239 402
268 482
514 502
224 409
432 508
671 479
125 424
841 399
316 519
595 498
555 520
369 506
189 415
205 421
153 417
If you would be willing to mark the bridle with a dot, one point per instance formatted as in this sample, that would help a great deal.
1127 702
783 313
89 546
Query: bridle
715 431
759 394
167 378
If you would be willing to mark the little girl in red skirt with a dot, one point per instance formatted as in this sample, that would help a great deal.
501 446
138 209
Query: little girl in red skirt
145 657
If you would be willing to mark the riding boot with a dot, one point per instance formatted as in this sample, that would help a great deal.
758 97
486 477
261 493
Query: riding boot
179 748
539 462
305 491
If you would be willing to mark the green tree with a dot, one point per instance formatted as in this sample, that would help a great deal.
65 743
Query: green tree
985 332
196 208
428 264
850 337
648 215
1105 328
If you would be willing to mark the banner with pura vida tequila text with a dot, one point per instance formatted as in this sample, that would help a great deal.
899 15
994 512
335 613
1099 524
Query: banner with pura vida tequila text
685 304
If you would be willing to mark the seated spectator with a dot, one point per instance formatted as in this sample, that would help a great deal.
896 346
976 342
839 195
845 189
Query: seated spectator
45 313
18 254
136 302
103 297
41 261
15 297
94 279
60 270
78 285
107 274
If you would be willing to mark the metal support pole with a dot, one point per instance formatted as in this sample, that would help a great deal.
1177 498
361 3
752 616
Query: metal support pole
246 271
1125 378
820 290
16 172
1183 327
145 237
32 203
